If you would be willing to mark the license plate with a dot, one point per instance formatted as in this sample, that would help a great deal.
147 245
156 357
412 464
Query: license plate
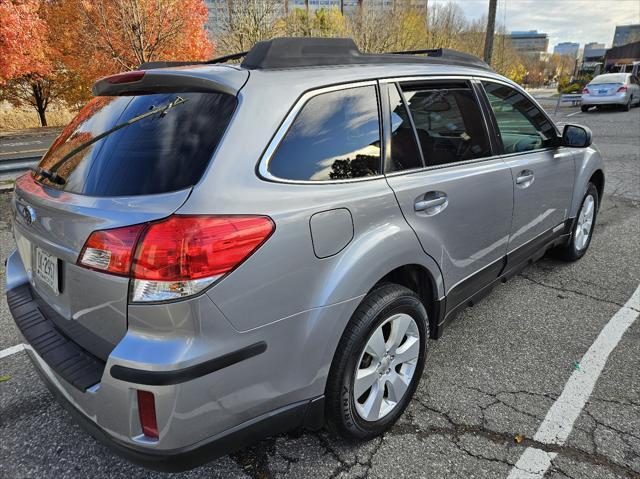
602 92
47 269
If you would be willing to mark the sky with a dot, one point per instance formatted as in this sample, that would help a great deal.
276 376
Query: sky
580 21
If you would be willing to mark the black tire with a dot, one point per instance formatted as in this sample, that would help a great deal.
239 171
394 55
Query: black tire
376 307
584 108
627 107
569 251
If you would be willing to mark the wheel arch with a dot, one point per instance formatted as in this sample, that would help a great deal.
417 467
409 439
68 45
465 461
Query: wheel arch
420 280
589 169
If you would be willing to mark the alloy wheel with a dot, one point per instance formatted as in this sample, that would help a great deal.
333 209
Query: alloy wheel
584 223
386 367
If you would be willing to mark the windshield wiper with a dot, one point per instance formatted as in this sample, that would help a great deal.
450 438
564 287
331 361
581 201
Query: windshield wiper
51 173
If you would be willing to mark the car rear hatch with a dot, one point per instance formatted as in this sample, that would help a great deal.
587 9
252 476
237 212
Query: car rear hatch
138 173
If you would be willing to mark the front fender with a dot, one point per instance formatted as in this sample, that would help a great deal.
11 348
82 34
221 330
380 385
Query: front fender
588 161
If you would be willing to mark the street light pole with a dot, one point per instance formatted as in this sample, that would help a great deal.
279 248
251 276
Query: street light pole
491 25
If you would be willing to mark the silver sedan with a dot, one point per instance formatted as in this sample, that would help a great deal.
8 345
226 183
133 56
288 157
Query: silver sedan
621 89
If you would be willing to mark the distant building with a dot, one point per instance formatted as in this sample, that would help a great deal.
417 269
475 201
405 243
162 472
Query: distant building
567 48
626 34
624 58
530 42
593 58
593 51
219 8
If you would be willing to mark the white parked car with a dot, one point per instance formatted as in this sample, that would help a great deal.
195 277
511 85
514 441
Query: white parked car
612 89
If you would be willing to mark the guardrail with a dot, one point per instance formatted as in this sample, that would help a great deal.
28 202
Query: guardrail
17 165
573 98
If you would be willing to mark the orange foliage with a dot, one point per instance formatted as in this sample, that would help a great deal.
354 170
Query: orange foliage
119 35
22 40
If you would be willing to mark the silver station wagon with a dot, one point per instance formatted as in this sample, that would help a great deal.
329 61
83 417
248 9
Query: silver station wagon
214 252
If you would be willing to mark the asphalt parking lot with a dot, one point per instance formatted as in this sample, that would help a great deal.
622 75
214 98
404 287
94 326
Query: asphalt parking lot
488 386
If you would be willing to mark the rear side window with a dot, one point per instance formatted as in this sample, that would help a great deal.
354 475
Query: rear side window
521 125
160 153
448 122
404 149
335 136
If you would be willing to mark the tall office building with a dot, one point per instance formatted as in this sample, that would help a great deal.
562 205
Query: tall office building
530 42
217 8
626 34
567 48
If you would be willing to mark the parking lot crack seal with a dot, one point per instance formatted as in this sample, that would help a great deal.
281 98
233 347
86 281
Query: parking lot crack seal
456 430
573 291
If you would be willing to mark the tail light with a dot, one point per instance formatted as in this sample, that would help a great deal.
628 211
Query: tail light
585 91
147 414
178 256
622 89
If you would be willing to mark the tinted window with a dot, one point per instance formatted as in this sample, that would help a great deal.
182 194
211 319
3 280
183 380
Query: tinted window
404 149
448 122
157 154
336 135
522 126
609 78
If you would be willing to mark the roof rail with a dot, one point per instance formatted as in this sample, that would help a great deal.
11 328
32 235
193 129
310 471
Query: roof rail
447 53
293 52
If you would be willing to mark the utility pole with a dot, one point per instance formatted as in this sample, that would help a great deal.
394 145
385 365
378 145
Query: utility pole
491 26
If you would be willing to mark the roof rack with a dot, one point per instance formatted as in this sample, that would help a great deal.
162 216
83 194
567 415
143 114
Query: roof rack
294 52
309 51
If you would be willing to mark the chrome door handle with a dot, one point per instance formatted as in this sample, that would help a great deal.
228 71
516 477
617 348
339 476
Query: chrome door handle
524 178
423 205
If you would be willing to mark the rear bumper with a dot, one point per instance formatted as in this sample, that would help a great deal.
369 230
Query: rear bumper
617 99
59 361
215 389
303 413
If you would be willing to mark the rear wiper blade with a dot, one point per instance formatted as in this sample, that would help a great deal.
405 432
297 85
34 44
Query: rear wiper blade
51 174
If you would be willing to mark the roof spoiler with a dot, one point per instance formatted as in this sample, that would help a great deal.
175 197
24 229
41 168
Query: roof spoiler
143 81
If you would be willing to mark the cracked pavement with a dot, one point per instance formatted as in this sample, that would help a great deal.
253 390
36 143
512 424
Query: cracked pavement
491 379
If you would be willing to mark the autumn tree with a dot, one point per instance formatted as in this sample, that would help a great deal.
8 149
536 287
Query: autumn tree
121 34
25 67
22 40
58 48
242 23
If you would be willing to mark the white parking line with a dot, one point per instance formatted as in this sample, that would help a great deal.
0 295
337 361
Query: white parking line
12 350
574 113
558 423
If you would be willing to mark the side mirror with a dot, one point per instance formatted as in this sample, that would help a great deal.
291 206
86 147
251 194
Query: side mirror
576 136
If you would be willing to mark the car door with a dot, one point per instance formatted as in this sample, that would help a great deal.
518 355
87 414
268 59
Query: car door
543 172
456 196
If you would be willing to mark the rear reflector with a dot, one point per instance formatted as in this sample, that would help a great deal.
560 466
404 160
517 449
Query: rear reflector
585 91
147 414
126 77
178 256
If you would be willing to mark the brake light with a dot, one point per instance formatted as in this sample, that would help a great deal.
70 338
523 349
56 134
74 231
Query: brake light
178 256
622 89
585 91
126 77
147 414
111 251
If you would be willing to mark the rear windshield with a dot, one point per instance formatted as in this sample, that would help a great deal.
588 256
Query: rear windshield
160 153
612 78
